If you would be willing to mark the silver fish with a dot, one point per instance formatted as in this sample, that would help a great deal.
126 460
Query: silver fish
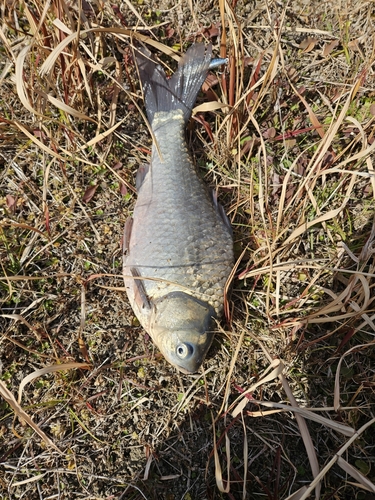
178 246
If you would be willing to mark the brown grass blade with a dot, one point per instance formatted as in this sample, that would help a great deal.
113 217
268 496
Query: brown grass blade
331 214
52 58
245 458
68 109
48 369
20 62
276 367
36 141
313 118
306 437
29 480
306 413
342 450
365 483
297 495
336 401
218 470
209 106
21 414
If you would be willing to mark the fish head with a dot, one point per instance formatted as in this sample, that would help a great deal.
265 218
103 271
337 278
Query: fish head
182 327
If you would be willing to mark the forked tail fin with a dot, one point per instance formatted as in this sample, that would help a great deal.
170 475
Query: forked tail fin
181 90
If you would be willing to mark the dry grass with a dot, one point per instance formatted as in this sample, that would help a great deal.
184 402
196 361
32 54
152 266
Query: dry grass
284 407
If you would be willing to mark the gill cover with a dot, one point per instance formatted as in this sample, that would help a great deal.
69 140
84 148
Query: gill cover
181 326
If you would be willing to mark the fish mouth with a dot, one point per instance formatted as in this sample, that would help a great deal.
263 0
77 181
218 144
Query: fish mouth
185 371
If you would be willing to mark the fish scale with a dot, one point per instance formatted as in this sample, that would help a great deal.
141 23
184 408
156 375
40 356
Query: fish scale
179 225
178 235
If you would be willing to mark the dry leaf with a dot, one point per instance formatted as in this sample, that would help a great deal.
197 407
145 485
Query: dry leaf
169 32
308 44
11 202
353 44
213 30
290 143
329 47
270 133
89 193
123 189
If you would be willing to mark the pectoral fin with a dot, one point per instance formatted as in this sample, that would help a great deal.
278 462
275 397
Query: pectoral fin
127 233
141 174
140 295
220 211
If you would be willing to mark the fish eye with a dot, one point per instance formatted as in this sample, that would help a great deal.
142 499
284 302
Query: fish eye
184 351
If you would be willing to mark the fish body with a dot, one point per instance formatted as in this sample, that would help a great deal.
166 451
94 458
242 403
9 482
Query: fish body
178 245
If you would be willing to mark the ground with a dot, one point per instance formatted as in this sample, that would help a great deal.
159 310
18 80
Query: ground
290 152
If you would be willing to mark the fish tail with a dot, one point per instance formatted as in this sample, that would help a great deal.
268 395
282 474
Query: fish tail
181 90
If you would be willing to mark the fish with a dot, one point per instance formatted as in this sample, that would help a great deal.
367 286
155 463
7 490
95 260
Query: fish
178 244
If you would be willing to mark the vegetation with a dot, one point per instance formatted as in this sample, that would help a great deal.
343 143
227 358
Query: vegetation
284 405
